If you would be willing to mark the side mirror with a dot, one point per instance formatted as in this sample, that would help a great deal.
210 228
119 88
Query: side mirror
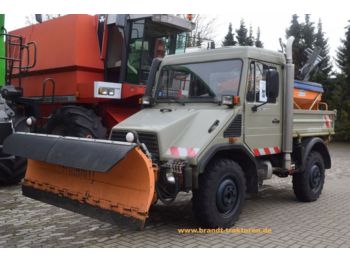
272 84
39 18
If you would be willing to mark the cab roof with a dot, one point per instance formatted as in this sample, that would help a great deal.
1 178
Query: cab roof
240 52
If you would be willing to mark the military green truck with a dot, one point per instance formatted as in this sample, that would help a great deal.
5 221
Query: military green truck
226 117
216 123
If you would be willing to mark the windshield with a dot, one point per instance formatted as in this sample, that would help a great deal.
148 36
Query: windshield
209 80
149 40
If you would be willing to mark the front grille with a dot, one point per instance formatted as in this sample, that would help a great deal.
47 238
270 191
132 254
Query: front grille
149 139
235 128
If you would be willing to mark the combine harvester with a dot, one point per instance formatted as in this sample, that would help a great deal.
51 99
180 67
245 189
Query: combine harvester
216 123
90 71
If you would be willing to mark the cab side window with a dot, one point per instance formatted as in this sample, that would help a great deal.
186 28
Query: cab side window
256 89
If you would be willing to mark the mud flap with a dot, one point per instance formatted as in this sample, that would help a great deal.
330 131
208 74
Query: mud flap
86 174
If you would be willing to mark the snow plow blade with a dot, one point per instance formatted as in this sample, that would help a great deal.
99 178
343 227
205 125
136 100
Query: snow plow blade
98 178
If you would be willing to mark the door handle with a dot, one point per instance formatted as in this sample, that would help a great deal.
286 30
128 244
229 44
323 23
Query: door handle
275 121
213 126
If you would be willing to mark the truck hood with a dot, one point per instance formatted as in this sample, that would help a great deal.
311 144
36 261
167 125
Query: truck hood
182 130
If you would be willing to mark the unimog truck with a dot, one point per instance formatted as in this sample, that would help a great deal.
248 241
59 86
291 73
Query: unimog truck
216 123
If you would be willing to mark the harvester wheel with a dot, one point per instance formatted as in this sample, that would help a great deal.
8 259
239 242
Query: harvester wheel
308 185
13 170
219 199
76 121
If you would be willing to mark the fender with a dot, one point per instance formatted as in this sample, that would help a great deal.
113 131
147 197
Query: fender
318 145
240 154
224 148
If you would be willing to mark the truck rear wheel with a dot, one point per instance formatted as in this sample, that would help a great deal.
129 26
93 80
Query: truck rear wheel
308 184
76 121
220 195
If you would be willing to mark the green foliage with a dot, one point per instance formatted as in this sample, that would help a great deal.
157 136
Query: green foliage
336 85
340 95
242 34
296 30
229 38
250 38
258 42
243 39
343 55
321 41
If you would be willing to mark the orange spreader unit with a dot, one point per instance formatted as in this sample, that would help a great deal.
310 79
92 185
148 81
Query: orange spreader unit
307 95
68 52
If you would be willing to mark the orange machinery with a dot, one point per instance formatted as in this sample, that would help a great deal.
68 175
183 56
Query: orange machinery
307 95
92 65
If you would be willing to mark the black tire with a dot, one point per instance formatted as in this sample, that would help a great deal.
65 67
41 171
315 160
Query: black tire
76 121
12 171
220 196
308 185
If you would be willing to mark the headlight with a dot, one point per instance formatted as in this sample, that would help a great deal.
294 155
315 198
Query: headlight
130 137
111 92
103 91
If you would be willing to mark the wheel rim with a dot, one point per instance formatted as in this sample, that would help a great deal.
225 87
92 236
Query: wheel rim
227 196
315 177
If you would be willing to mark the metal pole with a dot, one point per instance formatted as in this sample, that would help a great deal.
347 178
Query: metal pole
287 145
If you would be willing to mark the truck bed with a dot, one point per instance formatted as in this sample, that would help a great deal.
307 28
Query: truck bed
313 123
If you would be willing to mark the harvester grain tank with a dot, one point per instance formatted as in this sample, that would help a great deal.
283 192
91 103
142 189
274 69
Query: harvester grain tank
217 123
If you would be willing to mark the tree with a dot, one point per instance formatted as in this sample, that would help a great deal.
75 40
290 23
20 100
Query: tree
258 42
242 34
296 30
250 38
229 38
204 27
199 39
308 33
341 92
323 74
343 55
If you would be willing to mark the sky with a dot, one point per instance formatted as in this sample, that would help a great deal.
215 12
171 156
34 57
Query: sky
272 16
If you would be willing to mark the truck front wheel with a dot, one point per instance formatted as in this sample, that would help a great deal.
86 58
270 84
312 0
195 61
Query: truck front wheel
220 195
308 185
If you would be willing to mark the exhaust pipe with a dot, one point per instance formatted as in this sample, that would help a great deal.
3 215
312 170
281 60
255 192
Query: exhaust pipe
287 143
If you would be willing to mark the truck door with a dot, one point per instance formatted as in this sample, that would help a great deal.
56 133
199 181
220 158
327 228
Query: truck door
263 127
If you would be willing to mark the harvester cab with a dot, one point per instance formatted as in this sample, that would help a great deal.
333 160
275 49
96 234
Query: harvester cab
145 38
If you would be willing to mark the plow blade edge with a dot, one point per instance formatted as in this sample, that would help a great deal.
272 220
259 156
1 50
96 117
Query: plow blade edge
87 176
